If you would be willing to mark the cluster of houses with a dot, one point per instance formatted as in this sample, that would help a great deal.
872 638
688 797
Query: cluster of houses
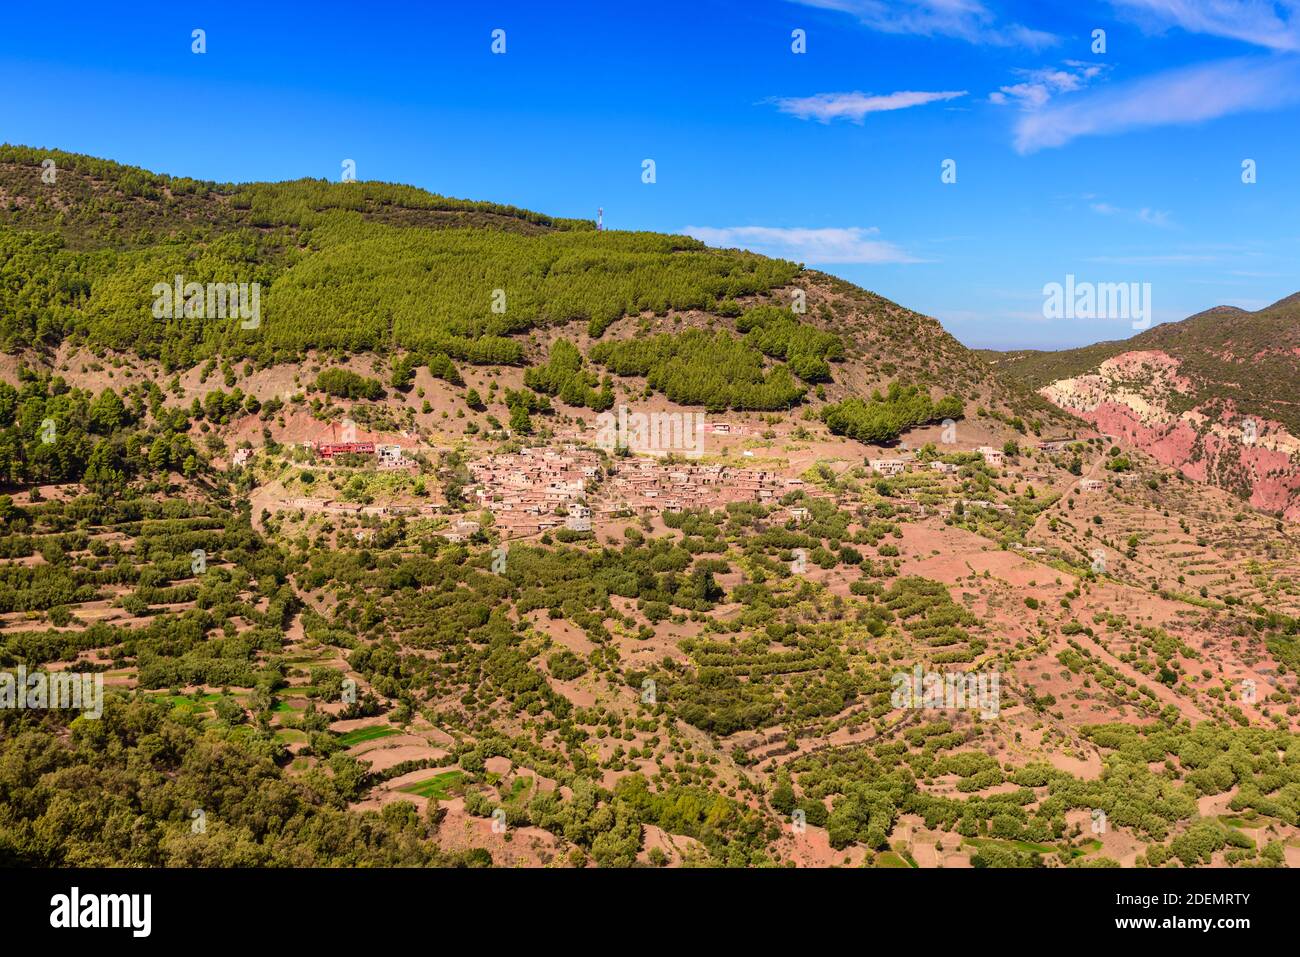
327 450
535 490
539 489
991 456
386 456
643 487
331 507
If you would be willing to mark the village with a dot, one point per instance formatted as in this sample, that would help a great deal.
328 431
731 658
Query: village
573 486
538 489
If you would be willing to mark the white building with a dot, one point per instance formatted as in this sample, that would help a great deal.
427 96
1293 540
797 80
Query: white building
579 519
991 455
887 466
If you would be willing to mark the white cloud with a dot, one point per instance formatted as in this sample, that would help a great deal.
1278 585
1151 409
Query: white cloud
825 107
1152 217
1039 86
1188 95
967 20
1273 24
852 244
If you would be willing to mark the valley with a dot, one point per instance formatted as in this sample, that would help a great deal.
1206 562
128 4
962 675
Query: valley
374 584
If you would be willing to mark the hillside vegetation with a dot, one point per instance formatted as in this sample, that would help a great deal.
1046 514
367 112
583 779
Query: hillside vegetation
366 267
479 634
1249 358
335 271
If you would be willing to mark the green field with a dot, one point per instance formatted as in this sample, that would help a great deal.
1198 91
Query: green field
891 859
196 704
1028 847
436 788
366 734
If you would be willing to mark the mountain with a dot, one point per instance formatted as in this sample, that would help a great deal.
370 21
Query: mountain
377 268
1212 396
422 531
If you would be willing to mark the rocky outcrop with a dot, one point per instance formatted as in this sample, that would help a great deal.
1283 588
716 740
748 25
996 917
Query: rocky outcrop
1144 400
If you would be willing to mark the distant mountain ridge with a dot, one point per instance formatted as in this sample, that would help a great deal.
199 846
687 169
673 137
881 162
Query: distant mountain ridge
1213 395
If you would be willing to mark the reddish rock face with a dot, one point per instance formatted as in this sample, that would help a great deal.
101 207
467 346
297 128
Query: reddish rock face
1141 398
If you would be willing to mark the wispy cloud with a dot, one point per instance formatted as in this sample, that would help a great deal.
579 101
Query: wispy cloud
1273 24
1152 217
967 20
1155 217
1188 95
852 244
1039 86
1166 259
825 107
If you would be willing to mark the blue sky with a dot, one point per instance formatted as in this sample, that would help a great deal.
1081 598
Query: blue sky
1122 166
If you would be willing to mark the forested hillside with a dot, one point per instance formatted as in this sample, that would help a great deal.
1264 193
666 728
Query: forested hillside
342 265
358 267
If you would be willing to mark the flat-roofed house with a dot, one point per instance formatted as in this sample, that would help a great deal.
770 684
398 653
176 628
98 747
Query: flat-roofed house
579 519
